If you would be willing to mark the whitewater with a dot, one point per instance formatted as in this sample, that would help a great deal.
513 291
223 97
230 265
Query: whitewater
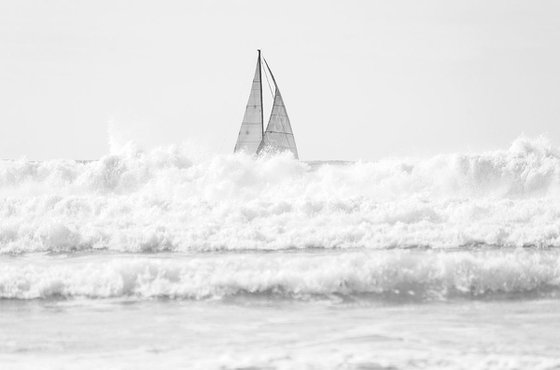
168 258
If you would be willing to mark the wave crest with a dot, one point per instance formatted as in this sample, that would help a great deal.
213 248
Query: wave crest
405 275
167 200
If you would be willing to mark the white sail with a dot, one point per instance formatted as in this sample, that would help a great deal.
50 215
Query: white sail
251 132
278 136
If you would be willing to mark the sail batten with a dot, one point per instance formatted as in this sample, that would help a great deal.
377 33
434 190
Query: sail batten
251 132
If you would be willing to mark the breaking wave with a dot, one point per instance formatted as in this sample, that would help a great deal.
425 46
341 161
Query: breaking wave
169 200
398 274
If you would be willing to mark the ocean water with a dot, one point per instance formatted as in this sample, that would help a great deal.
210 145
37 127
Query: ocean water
171 259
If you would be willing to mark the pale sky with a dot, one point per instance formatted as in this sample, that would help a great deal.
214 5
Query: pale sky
360 79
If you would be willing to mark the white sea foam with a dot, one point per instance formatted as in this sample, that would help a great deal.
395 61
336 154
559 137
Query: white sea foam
399 274
169 200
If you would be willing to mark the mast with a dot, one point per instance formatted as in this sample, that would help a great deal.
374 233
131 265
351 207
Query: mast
260 84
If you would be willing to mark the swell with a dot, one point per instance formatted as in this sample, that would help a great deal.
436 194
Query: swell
169 200
397 274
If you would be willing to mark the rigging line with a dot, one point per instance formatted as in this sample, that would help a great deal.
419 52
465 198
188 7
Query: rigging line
270 71
268 82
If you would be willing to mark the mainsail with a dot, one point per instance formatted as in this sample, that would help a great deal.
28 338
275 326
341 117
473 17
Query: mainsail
278 136
251 132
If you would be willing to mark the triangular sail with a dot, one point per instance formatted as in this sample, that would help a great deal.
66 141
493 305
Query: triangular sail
251 132
278 136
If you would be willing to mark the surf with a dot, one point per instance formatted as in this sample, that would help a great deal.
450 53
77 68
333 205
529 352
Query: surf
167 200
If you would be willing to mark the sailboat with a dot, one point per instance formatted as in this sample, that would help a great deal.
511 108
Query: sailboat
278 136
